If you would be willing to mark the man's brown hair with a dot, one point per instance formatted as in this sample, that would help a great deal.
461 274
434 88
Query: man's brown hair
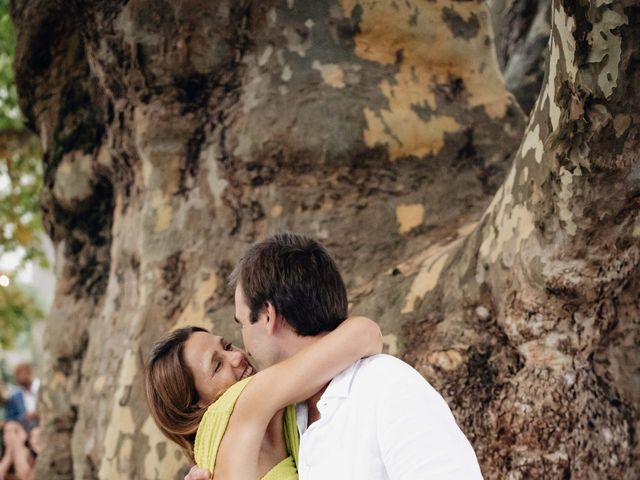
298 277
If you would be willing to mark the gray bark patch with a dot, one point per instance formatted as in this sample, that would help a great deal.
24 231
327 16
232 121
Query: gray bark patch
458 26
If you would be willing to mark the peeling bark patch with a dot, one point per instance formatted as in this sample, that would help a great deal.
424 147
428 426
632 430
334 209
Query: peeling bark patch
546 353
417 137
561 59
216 181
425 281
427 61
74 179
458 26
163 456
566 199
409 216
532 141
298 41
164 211
390 343
276 211
99 384
620 124
446 360
122 427
511 224
331 73
431 264
195 313
606 48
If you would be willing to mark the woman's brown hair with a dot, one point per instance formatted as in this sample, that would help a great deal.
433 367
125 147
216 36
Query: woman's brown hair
171 391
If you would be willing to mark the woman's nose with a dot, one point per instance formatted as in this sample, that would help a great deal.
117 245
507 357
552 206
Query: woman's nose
235 357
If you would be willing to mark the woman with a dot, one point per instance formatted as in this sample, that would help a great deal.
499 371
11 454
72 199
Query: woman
17 458
250 444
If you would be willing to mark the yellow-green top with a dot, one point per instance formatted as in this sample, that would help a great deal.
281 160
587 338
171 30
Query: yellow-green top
214 424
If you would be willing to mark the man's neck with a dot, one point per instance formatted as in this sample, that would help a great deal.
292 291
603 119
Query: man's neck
293 345
312 406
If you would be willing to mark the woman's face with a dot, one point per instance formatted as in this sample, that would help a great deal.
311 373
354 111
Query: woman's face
215 364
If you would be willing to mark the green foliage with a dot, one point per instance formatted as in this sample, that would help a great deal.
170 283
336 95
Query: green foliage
18 309
20 184
10 117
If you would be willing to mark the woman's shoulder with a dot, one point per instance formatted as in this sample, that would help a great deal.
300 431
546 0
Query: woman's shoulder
214 423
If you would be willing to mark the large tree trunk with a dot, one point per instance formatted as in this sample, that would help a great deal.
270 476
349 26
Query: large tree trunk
176 133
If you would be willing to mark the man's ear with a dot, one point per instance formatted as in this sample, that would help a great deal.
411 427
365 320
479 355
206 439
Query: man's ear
273 320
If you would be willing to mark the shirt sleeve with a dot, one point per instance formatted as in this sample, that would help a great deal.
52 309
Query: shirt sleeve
418 435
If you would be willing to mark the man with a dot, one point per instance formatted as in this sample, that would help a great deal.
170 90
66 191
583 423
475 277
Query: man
22 404
378 419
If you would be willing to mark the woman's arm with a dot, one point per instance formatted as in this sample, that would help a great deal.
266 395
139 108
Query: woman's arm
287 382
302 375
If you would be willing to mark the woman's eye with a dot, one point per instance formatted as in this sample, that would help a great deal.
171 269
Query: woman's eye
218 365
228 346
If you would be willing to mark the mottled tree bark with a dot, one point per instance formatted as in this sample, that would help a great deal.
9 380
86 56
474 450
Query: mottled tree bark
176 133
522 35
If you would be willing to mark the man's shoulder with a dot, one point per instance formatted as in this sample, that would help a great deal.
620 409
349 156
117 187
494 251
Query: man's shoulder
16 396
14 406
384 362
386 369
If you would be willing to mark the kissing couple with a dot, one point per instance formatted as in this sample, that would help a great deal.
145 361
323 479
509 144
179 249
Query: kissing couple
311 396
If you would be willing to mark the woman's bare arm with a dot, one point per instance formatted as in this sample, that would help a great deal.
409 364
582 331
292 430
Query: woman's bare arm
287 382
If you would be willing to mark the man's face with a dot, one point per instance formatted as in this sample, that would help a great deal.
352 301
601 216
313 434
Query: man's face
24 375
261 346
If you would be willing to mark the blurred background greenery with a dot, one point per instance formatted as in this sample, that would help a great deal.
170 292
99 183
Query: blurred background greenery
22 241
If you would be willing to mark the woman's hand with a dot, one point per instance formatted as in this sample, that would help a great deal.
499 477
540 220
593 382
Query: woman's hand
198 474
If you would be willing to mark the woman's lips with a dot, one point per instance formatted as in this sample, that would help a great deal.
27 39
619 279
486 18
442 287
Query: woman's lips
247 372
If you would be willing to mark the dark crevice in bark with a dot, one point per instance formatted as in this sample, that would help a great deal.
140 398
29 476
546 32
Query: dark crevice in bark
458 26
87 236
189 170
521 46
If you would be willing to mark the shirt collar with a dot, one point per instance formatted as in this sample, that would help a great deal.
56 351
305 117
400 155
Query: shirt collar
340 386
35 386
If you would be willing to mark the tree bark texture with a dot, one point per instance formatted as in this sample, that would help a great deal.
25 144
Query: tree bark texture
177 133
521 36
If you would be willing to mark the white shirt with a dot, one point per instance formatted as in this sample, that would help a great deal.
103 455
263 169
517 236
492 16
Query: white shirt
379 419
30 396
